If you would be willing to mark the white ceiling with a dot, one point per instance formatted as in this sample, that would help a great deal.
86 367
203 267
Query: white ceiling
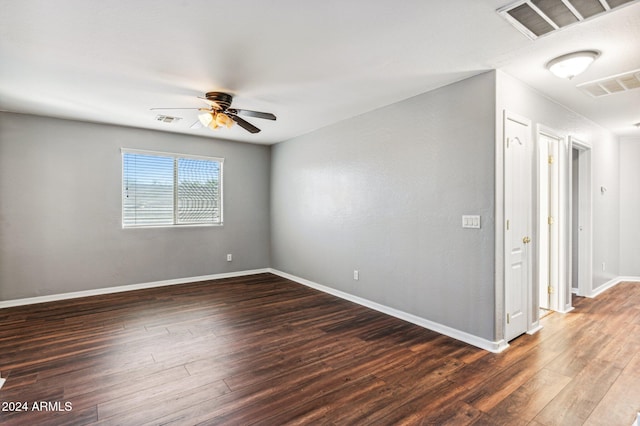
312 63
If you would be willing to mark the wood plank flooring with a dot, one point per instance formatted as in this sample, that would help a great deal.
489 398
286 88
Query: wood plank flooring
264 350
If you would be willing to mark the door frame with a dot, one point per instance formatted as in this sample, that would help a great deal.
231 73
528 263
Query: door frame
585 215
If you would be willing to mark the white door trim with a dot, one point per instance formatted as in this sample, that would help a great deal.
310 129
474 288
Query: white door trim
561 258
564 154
499 262
552 245
585 202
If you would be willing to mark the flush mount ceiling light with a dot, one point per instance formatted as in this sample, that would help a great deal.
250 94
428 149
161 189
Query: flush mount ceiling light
572 64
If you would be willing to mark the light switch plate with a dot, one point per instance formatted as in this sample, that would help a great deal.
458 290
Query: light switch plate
471 221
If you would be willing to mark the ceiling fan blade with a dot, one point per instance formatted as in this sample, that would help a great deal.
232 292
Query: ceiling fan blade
154 109
213 104
257 114
244 124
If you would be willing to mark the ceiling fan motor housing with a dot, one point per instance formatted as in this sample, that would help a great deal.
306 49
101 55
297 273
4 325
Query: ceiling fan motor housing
222 99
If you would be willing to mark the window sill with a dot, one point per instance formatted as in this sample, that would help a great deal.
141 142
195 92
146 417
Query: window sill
193 225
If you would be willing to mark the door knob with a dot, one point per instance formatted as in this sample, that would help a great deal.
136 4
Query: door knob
526 240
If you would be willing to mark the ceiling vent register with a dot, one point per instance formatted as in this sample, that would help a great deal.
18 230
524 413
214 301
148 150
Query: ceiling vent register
610 85
167 119
536 18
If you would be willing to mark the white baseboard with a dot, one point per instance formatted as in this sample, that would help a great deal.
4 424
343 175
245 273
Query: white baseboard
611 283
495 347
119 289
534 330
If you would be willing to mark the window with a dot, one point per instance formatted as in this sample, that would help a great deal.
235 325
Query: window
162 189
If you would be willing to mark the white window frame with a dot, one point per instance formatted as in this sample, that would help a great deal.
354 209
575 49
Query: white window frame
175 156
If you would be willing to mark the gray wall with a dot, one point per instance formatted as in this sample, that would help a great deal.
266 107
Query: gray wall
521 99
60 210
384 193
629 207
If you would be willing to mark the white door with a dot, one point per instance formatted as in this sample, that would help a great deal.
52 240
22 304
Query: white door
517 195
554 222
548 241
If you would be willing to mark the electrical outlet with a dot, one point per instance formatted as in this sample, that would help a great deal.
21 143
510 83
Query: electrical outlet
356 274
229 257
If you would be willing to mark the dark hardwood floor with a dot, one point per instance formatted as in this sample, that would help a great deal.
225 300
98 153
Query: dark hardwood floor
264 350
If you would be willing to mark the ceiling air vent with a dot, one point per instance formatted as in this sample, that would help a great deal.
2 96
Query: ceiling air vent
616 84
167 119
535 18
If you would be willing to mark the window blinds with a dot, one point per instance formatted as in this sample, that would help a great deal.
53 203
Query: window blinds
169 189
198 191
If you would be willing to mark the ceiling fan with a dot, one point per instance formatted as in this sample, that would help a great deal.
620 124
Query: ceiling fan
220 114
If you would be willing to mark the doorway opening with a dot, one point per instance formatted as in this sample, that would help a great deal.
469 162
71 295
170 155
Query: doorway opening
581 221
575 218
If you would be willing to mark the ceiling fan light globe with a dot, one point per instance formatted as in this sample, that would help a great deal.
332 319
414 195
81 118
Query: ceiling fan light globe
205 119
223 119
213 124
